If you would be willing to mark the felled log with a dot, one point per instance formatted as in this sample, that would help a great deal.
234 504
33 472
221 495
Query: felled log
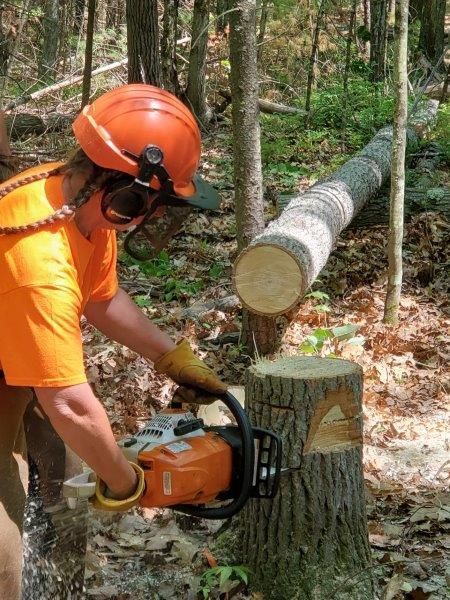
417 201
312 538
376 212
269 107
24 124
272 274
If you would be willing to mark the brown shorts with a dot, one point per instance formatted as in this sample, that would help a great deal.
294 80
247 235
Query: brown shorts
51 537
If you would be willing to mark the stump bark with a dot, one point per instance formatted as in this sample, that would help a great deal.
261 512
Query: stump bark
311 540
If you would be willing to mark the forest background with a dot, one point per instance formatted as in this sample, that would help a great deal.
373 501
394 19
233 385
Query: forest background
325 72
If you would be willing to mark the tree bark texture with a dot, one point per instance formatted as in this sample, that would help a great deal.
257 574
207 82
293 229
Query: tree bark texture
273 273
313 56
143 42
397 195
376 212
87 71
168 47
313 535
431 40
378 38
196 91
245 116
223 16
50 41
78 15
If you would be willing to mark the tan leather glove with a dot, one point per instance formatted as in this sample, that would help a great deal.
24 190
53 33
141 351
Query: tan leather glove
181 365
102 502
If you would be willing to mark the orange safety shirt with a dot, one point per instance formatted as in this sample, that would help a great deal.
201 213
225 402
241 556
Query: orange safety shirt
46 278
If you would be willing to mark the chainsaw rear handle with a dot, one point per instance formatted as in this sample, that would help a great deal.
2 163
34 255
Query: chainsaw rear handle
248 458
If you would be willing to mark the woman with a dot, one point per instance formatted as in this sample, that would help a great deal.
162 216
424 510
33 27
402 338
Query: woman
139 151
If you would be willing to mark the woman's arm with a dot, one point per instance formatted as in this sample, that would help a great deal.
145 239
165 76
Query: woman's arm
81 421
122 321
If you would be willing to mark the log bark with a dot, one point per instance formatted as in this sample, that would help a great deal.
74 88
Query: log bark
267 107
313 535
376 212
273 273
21 125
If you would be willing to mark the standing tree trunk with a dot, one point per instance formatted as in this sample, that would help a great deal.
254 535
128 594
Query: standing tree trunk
397 197
143 42
431 40
348 53
258 333
311 541
50 46
378 38
4 47
223 17
262 26
313 59
168 47
195 91
87 71
366 21
78 17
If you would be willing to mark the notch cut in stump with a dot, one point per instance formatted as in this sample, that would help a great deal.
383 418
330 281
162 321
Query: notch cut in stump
311 540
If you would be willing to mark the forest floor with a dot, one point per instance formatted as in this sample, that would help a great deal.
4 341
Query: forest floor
155 554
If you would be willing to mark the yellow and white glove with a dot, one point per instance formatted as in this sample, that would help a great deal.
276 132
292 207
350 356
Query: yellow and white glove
102 502
186 369
88 486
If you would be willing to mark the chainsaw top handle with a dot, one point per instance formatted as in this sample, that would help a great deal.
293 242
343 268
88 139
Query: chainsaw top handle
248 452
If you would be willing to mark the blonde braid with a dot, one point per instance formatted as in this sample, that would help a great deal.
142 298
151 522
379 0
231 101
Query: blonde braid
67 211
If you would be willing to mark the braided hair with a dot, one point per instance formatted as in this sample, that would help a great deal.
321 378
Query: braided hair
79 162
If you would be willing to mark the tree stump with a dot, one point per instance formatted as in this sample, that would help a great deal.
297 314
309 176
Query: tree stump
311 541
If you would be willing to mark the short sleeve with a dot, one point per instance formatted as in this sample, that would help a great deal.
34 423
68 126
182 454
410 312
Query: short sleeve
40 337
105 275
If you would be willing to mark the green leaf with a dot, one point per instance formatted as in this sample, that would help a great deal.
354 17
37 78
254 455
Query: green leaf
318 295
306 348
241 573
142 300
322 308
322 334
345 331
225 575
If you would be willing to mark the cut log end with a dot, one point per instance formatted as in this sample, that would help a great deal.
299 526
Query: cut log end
267 279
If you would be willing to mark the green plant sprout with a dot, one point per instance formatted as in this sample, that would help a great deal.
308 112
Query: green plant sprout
221 580
329 341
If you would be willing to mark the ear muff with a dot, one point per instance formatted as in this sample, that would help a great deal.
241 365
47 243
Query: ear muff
122 202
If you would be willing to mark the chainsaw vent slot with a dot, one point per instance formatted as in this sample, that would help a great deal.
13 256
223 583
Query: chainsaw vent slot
167 427
267 468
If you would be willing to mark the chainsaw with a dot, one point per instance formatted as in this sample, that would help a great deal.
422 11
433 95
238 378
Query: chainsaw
203 471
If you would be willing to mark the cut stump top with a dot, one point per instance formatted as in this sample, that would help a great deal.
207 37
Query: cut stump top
307 367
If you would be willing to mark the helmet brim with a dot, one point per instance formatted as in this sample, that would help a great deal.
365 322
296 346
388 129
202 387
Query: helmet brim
205 195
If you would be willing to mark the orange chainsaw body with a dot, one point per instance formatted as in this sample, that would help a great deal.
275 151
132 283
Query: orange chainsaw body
193 470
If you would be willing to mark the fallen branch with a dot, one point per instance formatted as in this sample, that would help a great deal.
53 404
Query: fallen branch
269 107
73 80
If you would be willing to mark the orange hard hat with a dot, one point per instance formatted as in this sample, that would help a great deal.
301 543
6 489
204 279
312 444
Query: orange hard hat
115 129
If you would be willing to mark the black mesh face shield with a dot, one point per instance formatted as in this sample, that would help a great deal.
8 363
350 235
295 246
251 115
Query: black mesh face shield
163 210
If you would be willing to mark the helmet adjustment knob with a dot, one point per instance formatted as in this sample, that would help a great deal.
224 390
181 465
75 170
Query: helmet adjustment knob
153 155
